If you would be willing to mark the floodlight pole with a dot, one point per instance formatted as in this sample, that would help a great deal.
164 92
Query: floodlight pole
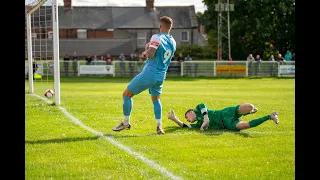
222 7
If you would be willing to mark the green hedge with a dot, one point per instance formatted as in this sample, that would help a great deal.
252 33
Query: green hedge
196 52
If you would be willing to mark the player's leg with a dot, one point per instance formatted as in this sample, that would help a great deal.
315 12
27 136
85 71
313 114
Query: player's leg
157 109
127 105
135 87
246 108
126 109
155 92
241 125
231 115
255 122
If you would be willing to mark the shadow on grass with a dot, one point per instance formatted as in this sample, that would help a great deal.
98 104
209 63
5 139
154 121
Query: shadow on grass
62 140
128 135
175 130
43 104
172 129
209 132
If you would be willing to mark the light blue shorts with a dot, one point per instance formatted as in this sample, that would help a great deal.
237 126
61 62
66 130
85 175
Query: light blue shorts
145 81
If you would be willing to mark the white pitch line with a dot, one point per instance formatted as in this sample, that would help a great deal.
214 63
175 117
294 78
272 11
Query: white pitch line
116 143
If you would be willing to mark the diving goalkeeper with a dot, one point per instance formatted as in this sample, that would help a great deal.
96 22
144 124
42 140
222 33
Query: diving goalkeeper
226 118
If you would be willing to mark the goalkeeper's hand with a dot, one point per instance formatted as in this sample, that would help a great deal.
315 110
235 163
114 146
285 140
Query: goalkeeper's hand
171 115
205 123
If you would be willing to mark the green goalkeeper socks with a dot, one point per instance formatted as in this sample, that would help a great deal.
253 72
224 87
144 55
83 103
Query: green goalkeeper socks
258 121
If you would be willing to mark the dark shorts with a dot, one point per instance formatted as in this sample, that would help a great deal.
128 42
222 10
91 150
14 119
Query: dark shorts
230 117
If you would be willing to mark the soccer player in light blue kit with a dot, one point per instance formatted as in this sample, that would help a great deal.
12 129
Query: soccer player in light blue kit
159 52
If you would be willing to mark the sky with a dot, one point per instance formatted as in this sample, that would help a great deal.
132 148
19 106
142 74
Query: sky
199 6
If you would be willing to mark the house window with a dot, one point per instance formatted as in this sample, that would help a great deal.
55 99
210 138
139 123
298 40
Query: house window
82 34
185 36
141 39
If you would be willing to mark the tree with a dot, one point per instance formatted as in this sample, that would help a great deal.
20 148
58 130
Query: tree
256 26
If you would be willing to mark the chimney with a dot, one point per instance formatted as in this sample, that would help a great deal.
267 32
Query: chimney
150 4
67 5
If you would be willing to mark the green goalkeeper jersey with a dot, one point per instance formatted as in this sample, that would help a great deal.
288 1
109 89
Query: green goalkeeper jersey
214 117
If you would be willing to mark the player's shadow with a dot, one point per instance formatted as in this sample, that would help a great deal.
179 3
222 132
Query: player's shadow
173 129
209 132
127 135
61 140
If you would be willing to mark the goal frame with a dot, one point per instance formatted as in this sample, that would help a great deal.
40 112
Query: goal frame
55 29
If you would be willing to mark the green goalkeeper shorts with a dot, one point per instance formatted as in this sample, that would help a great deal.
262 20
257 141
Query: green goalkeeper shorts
230 117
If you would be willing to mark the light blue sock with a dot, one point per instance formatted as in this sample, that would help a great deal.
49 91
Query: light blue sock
127 106
157 109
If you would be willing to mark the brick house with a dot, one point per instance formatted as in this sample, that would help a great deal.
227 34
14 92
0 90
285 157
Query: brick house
98 30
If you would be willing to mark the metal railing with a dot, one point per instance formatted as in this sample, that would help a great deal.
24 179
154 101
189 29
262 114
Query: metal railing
188 68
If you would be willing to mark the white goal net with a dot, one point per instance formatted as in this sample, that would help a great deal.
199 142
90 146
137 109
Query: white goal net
42 46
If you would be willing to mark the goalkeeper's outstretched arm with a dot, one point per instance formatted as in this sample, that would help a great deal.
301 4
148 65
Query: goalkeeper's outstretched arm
175 119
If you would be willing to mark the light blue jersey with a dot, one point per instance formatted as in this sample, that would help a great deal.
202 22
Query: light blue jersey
155 69
166 46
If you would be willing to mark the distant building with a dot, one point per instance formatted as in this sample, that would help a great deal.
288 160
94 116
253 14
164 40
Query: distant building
100 30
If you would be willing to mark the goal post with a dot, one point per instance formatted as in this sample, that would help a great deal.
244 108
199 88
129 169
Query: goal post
30 58
55 20
33 7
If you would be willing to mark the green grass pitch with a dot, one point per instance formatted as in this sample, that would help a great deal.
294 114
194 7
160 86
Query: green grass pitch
57 147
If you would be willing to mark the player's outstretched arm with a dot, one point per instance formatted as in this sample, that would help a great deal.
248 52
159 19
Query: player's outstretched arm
205 123
175 119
